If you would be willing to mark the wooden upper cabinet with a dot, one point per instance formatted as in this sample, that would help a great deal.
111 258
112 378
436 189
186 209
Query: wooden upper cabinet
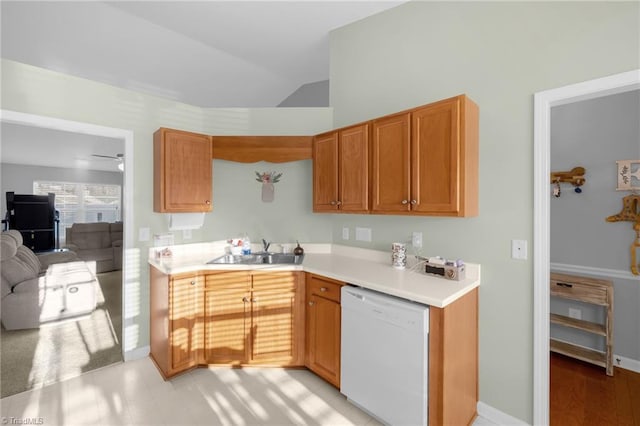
425 161
341 170
182 169
325 172
391 174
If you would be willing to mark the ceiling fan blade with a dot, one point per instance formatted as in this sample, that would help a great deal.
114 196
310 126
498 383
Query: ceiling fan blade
117 157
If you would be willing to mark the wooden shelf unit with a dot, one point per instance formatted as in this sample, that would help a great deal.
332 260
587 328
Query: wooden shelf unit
587 290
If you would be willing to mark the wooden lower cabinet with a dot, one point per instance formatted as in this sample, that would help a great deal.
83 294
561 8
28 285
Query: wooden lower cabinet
176 323
259 318
323 328
277 319
453 362
226 318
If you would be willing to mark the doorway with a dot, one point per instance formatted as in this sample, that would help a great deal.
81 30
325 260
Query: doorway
126 136
543 102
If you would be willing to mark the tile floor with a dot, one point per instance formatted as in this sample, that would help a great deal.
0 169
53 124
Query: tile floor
134 393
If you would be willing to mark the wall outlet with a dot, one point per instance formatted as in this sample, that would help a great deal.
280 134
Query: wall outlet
144 234
363 234
575 313
416 239
345 233
519 249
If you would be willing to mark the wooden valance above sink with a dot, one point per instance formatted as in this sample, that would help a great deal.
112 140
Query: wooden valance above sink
251 149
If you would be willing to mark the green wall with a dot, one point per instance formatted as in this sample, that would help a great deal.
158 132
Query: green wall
237 204
499 54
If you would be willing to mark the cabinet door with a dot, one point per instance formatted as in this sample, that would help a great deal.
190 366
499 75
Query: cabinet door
325 172
323 338
182 172
185 331
436 158
354 169
227 318
277 320
391 154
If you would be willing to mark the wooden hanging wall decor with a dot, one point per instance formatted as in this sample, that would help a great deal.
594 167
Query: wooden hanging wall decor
631 213
574 176
628 175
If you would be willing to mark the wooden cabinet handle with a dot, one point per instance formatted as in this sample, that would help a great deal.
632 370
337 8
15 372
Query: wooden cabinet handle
312 303
323 289
405 201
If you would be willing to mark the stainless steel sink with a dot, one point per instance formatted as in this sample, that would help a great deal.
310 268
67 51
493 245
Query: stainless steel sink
259 259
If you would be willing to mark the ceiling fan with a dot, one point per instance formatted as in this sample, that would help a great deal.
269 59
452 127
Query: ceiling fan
118 157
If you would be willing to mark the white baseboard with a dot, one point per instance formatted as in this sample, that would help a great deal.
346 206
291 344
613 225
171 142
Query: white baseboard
626 363
498 417
589 270
137 353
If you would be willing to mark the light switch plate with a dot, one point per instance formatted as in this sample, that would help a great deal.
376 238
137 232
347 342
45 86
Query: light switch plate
345 233
363 234
519 249
416 239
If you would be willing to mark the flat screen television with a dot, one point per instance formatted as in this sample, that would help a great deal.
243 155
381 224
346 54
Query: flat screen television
27 211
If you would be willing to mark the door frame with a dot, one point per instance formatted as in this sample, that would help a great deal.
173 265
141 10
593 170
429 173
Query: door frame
543 101
128 268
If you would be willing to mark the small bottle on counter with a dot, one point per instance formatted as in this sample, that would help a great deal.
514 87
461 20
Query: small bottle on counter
246 245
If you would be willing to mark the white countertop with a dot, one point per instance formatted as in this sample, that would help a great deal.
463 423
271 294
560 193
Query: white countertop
366 268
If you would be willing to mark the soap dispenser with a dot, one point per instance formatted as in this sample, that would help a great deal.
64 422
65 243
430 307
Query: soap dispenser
298 251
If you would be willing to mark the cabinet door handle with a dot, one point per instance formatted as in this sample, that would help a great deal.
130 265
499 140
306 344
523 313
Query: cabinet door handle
207 202
333 203
405 201
255 300
192 283
339 202
245 299
564 285
312 303
323 289
414 202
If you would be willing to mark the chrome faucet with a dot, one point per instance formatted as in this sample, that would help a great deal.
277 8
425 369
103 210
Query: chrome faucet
265 245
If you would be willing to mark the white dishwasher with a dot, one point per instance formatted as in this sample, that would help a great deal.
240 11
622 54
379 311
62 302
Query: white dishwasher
384 355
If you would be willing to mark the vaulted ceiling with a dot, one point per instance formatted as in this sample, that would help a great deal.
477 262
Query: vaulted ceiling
204 53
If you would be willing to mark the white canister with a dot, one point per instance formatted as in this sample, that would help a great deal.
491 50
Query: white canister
398 255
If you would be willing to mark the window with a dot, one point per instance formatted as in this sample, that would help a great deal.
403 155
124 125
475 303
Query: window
83 202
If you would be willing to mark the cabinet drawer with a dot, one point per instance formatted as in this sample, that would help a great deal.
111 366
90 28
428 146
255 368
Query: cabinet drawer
569 289
324 288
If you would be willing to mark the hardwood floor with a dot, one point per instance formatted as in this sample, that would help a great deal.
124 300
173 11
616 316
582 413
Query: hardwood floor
582 394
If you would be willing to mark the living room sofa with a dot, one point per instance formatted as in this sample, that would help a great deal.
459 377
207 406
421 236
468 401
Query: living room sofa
37 289
99 242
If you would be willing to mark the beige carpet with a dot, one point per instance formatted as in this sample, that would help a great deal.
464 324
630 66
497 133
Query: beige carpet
38 357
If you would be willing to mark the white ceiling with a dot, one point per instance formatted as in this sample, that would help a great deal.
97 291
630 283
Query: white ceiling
204 53
55 148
